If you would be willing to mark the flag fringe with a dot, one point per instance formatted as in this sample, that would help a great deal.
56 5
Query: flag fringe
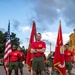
58 70
56 63
29 68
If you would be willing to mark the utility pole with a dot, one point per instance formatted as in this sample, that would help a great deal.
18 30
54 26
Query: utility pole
50 46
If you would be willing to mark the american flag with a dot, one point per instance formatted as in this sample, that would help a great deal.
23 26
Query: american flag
7 49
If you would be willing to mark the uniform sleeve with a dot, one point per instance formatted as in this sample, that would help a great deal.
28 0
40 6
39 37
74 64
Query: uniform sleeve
23 56
9 54
72 53
19 56
44 45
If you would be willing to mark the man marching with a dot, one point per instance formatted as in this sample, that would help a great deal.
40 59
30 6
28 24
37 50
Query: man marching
13 60
38 49
68 58
22 59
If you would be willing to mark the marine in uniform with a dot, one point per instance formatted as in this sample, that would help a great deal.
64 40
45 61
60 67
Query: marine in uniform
13 60
21 61
68 58
38 48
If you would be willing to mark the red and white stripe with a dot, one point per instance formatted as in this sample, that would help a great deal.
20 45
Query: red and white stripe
7 51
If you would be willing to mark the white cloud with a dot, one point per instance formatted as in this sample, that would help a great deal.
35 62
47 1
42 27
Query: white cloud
65 38
52 37
25 44
25 28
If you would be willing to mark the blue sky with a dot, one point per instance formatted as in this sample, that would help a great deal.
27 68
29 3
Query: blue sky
46 13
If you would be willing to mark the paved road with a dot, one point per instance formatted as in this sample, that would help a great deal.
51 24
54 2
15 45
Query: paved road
2 72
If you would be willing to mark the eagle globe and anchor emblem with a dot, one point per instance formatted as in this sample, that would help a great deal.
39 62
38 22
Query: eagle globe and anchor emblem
62 52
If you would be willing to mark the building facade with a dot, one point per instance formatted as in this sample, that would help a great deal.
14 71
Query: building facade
72 42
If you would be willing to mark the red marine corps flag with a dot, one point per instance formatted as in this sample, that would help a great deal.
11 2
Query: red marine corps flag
59 61
32 38
7 50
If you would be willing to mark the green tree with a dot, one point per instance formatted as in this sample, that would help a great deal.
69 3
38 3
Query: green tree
2 42
14 40
24 50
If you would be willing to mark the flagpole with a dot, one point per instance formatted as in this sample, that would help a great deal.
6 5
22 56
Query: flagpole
50 47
